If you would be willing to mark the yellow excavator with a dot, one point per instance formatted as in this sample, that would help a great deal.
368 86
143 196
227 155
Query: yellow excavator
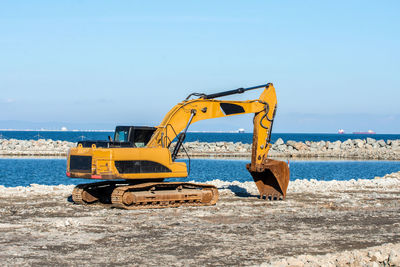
138 159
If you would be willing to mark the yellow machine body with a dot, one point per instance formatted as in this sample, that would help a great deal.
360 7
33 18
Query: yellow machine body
103 163
145 158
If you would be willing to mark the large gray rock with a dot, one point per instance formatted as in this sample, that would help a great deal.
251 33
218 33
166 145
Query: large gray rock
370 140
231 147
291 143
358 143
242 150
395 143
335 145
381 143
347 144
301 146
282 148
279 142
314 145
368 146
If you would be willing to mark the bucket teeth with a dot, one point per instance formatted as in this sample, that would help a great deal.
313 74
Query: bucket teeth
271 178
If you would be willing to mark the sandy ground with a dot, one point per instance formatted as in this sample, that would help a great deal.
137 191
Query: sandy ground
39 226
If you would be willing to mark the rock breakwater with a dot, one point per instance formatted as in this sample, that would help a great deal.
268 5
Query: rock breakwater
41 147
350 149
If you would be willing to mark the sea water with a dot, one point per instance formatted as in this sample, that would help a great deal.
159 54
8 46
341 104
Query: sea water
23 171
246 138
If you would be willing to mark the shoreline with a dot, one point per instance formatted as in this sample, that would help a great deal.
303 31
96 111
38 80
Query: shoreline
356 149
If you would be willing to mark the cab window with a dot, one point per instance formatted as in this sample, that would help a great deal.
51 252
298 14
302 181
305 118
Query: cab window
121 136
142 137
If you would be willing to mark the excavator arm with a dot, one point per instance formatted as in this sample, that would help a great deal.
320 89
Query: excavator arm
188 112
271 176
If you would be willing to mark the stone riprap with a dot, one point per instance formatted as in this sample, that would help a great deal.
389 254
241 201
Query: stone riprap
350 149
41 147
321 223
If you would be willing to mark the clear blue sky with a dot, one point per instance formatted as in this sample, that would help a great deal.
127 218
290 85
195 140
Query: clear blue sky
95 64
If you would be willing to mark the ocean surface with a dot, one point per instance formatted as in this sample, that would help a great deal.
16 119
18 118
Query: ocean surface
246 138
23 172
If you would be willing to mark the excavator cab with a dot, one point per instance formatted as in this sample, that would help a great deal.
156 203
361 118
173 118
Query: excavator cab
137 136
124 136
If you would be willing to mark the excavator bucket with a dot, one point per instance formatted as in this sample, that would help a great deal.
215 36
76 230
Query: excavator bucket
271 178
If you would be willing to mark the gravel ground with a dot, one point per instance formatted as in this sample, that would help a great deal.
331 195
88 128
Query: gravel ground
343 223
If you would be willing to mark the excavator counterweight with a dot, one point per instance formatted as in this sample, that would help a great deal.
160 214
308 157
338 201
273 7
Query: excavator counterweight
138 159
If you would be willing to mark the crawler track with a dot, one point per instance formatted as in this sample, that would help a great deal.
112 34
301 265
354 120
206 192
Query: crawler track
145 195
94 193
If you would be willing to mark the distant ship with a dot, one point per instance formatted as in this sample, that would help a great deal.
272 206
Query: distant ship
341 131
240 130
369 132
